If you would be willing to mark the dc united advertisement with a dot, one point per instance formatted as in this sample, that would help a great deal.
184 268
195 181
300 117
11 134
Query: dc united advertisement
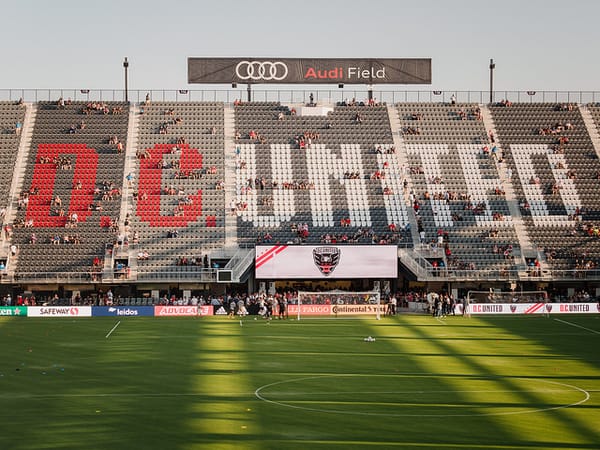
327 261
123 311
309 70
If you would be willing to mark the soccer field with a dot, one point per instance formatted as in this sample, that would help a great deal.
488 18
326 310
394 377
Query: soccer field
217 383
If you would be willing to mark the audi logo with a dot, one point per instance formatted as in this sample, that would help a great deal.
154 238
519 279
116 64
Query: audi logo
261 70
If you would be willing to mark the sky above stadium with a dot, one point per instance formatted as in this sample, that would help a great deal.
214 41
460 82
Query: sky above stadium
536 44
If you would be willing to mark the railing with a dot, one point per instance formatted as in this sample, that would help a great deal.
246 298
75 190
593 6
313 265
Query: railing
210 276
298 96
199 275
55 277
240 262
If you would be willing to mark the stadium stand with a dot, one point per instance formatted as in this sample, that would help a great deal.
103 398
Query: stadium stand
155 192
317 178
178 213
554 170
70 197
457 190
11 114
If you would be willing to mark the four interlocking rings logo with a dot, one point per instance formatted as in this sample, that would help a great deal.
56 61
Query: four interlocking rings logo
261 70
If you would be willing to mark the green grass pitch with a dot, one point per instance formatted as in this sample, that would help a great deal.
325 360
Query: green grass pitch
488 383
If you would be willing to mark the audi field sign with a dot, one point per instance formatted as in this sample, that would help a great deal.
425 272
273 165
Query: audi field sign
309 70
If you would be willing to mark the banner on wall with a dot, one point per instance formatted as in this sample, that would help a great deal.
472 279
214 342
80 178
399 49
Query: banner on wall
259 70
534 308
59 311
327 261
123 311
13 311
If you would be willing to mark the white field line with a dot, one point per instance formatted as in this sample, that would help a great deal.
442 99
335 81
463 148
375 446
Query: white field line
293 394
113 329
578 326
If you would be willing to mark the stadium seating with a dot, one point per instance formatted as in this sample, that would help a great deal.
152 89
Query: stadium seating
556 183
70 158
447 163
315 172
179 213
301 178
10 114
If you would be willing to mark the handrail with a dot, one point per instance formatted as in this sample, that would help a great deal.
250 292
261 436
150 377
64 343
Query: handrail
299 95
210 275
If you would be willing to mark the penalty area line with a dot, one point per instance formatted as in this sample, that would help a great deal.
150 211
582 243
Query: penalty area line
113 329
578 326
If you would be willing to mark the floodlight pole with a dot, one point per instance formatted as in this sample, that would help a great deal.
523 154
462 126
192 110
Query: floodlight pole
125 67
492 67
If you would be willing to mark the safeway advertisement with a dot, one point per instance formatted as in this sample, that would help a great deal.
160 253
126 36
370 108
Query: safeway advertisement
59 311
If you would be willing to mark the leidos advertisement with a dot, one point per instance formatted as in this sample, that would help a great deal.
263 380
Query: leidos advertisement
123 311
310 70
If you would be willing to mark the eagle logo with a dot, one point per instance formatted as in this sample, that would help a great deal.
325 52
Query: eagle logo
326 259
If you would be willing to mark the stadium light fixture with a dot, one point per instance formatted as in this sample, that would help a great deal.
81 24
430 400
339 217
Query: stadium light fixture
126 67
492 67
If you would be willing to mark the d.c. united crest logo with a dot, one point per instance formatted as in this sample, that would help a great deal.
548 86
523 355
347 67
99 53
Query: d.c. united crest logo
548 308
513 308
326 259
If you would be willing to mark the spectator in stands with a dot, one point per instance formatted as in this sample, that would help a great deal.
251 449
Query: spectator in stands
129 179
147 102
453 99
18 128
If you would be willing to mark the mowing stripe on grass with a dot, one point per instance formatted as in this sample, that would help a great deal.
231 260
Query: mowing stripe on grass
578 326
113 329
